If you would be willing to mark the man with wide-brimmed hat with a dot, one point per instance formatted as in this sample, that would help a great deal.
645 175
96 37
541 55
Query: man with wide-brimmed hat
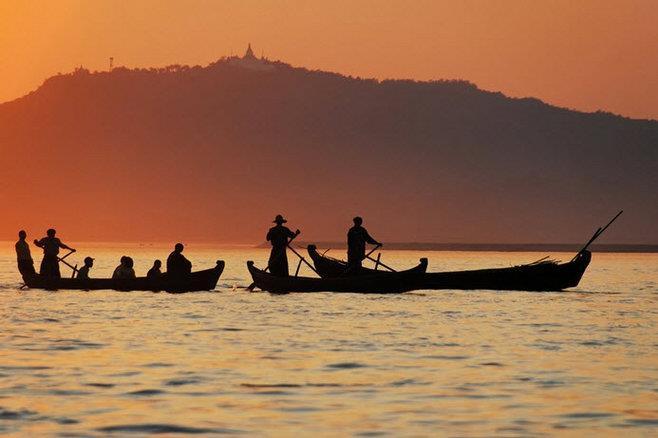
279 237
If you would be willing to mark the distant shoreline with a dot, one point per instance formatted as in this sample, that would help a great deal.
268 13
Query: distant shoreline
496 247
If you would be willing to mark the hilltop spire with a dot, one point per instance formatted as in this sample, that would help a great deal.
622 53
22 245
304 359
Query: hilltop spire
249 54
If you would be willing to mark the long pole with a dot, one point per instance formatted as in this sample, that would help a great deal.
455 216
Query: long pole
597 234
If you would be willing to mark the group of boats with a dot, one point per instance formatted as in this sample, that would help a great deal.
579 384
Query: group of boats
334 276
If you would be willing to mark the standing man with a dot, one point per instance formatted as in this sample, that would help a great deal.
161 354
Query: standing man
51 246
278 236
357 237
23 256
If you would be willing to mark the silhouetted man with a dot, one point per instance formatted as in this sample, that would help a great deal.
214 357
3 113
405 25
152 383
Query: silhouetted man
357 237
23 256
177 265
51 246
278 236
83 273
154 272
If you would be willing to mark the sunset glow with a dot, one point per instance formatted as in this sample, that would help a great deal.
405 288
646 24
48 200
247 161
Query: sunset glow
588 55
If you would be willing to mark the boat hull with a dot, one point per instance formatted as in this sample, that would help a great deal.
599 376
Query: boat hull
403 282
539 277
533 277
197 281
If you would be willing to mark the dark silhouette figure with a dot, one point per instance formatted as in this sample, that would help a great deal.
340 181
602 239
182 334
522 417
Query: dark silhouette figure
278 236
83 273
155 271
178 267
125 269
357 237
51 246
23 256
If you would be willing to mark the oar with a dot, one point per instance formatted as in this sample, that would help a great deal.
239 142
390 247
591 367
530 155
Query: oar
301 257
347 267
61 259
251 287
381 263
596 235
379 245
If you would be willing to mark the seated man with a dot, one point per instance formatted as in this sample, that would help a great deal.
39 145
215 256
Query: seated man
125 269
154 272
83 273
177 265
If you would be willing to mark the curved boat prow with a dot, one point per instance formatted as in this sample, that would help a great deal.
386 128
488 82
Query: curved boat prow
579 265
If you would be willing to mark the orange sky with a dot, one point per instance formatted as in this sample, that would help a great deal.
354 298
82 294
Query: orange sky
585 54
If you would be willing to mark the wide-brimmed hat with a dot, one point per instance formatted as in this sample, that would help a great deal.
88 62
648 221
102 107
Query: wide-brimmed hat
279 219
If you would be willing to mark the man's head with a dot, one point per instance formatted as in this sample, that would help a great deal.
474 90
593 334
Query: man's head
22 234
51 232
358 221
89 262
157 264
279 220
124 259
179 247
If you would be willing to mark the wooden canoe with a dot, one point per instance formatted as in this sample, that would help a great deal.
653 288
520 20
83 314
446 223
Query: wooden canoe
546 276
197 281
394 283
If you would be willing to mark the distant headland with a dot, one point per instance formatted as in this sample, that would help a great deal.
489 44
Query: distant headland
212 153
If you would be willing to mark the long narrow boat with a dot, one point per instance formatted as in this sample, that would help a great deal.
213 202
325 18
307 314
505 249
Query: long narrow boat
543 276
196 281
393 283
329 267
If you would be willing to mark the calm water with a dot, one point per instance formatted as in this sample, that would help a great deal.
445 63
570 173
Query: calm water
479 363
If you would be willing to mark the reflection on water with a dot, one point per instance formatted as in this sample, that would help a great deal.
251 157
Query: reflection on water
231 362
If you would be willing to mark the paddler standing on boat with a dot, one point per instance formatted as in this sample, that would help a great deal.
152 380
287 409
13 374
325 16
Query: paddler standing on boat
51 246
279 237
23 256
357 237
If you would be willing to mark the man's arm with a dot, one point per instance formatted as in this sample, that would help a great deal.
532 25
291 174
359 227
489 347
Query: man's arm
369 239
38 243
62 245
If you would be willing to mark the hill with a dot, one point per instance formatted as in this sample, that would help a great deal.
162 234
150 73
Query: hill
213 153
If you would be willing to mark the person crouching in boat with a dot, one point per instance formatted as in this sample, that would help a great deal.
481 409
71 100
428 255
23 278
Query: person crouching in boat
278 236
124 270
23 256
178 267
155 271
51 246
83 273
357 237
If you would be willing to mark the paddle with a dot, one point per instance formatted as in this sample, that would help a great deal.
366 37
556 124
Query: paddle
61 259
596 235
381 263
302 258
251 287
367 256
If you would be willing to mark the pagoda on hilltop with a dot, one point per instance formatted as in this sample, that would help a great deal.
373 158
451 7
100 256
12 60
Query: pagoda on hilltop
249 54
250 61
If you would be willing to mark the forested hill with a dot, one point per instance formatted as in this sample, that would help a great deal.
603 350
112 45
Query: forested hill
213 153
